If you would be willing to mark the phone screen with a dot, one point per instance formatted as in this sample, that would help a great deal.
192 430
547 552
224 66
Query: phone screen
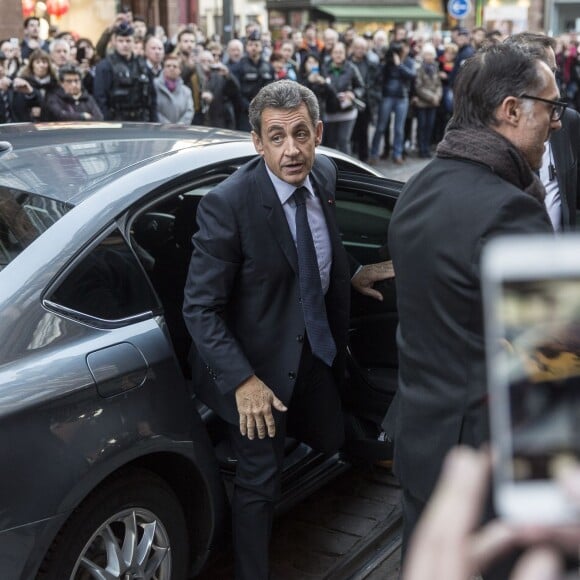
537 358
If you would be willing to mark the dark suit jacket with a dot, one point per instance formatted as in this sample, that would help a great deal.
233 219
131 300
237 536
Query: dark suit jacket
242 303
565 145
441 221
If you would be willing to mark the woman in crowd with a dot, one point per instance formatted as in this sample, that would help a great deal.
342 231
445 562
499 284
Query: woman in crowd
41 76
347 91
86 56
309 75
174 99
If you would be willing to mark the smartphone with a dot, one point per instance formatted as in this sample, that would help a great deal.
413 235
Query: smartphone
531 298
14 41
81 54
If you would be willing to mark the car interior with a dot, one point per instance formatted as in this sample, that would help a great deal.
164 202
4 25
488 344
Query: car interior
160 234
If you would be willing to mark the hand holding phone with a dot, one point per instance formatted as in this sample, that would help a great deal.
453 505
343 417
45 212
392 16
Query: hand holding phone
531 291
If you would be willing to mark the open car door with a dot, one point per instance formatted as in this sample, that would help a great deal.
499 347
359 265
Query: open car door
364 207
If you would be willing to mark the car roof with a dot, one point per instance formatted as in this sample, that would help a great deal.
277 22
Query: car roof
69 161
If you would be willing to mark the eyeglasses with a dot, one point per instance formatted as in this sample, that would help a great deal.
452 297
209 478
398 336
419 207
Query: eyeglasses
558 107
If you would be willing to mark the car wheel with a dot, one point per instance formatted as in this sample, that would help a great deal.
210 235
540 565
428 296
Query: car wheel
131 528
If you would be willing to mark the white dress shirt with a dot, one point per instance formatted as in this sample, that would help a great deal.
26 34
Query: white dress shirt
553 200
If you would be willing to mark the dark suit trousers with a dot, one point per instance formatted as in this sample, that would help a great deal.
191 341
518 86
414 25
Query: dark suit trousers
314 416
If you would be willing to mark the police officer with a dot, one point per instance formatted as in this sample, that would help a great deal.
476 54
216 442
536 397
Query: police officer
123 87
253 72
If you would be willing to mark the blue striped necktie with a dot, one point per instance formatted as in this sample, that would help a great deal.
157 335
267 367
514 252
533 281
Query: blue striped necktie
313 305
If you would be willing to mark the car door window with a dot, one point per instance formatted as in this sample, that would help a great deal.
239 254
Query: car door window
107 284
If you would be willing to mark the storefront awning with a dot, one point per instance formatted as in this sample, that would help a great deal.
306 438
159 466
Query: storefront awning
380 13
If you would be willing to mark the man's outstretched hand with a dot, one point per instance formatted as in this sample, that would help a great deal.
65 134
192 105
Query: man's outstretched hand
366 277
255 401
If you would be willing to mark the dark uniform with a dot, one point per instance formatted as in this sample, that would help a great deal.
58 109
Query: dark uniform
124 89
252 77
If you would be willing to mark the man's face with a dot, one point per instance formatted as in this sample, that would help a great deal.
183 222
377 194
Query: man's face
154 51
359 48
140 28
329 40
288 142
478 37
235 51
32 29
254 49
124 45
186 43
338 53
536 122
297 38
60 54
287 49
72 85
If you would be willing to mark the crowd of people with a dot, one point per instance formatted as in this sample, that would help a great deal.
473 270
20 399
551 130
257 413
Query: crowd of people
363 82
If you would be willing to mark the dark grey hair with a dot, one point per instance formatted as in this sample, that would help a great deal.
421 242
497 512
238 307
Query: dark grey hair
285 95
487 78
69 69
536 44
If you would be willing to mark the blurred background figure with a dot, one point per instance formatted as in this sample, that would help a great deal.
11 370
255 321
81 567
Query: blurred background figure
174 98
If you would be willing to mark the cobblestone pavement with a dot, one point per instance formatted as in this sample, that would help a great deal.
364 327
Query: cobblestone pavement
347 530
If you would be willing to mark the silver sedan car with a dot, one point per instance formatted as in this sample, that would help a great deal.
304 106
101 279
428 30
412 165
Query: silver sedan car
112 468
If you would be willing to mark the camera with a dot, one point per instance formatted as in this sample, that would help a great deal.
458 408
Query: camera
531 294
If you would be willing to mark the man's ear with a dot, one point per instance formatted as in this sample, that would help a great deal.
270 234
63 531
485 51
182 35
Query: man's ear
257 143
318 135
510 111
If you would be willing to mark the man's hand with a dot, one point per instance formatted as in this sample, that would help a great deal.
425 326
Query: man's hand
255 401
364 279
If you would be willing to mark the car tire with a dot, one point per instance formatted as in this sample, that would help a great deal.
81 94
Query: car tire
130 526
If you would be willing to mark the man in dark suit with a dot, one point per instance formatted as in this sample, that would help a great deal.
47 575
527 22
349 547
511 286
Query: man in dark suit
267 305
481 184
560 171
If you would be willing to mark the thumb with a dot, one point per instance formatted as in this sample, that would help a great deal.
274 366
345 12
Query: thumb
372 293
278 404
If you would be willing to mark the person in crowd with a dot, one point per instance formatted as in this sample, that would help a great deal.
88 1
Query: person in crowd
506 106
347 37
369 72
398 72
560 171
14 61
59 52
40 74
450 543
465 51
123 87
253 72
267 48
329 38
428 93
290 66
478 37
216 49
186 48
140 28
174 99
234 52
86 57
138 48
70 101
379 47
16 96
31 40
262 359
446 62
277 61
310 75
299 53
345 98
311 42
154 55
104 44
223 92
194 77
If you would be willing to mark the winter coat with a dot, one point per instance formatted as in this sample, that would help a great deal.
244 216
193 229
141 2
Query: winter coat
176 106
428 87
59 106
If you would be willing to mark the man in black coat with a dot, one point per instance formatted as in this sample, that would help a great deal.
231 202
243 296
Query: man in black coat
481 184
260 362
560 171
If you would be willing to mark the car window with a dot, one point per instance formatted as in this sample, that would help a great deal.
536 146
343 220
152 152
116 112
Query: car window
107 284
24 217
363 223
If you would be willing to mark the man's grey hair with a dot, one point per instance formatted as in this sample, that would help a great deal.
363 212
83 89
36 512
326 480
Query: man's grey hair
54 44
534 43
286 95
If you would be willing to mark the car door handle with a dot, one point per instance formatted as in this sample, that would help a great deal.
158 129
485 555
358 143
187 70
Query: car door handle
117 368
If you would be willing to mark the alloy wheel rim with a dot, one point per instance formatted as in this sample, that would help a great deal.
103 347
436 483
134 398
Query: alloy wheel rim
131 545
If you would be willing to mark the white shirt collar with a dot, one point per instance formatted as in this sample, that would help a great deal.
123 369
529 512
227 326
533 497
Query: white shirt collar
285 190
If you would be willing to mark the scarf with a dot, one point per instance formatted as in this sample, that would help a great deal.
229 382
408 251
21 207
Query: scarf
489 148
170 84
